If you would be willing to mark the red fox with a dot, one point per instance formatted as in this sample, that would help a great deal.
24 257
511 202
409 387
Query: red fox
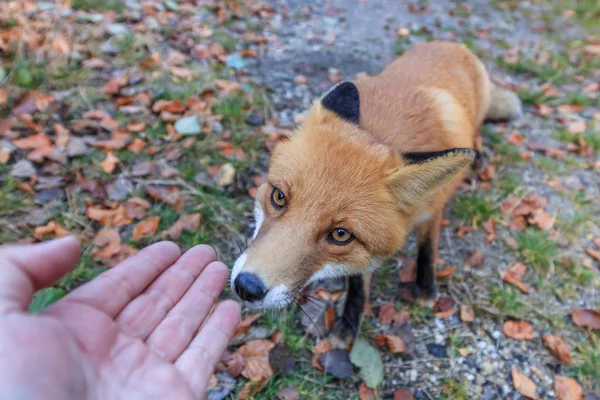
373 159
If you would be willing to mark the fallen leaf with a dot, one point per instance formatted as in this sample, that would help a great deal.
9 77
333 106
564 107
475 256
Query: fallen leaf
136 145
108 244
188 222
475 260
567 388
592 50
114 85
445 314
394 343
518 330
463 230
145 228
32 101
301 80
94 187
556 153
488 173
559 348
403 394
367 358
256 357
523 384
593 253
445 273
514 276
246 323
543 220
489 227
251 388
115 216
515 138
235 364
586 318
577 126
52 228
388 314
168 195
466 313
364 393
109 163
33 141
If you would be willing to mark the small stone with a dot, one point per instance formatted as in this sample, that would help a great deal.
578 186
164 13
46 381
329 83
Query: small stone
487 368
216 127
239 26
437 350
225 175
188 125
254 120
235 61
117 29
171 5
47 195
23 169
87 17
496 335
109 48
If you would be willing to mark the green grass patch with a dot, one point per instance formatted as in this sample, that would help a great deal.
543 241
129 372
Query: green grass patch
507 152
509 182
232 108
228 42
473 207
536 248
98 5
453 390
547 164
533 96
588 369
556 70
506 299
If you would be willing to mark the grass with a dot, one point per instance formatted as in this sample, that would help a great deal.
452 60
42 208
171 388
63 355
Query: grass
558 70
98 5
509 182
589 366
507 152
473 208
232 108
536 248
533 96
506 299
548 164
453 390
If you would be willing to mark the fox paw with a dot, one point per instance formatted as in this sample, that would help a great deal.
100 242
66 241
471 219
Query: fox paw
343 334
425 297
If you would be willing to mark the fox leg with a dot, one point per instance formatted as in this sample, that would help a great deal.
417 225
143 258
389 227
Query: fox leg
427 239
346 327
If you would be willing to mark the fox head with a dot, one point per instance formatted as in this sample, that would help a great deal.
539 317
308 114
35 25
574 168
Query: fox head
336 203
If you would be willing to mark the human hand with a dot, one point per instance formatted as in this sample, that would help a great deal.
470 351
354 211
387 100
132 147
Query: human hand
135 331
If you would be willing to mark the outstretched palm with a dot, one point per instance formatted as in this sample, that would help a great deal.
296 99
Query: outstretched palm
136 331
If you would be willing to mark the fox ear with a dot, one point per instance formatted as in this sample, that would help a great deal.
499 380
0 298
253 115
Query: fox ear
423 174
344 101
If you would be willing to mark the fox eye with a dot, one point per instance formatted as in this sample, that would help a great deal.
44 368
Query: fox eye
340 236
277 198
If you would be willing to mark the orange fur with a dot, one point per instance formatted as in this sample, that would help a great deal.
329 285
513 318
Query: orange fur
337 174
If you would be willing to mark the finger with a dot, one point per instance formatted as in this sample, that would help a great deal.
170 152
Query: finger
140 317
111 291
174 333
198 361
24 269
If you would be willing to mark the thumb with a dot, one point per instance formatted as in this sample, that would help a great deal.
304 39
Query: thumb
24 269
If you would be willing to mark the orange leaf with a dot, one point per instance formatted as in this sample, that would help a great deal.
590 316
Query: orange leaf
586 318
488 173
556 153
115 216
114 85
388 314
395 344
171 106
577 126
168 195
523 384
33 141
567 388
246 323
189 222
136 126
364 393
543 220
145 228
515 138
445 273
514 276
559 348
445 314
489 227
476 260
235 364
136 145
108 243
403 394
593 253
301 80
256 358
466 313
329 316
518 330
49 229
32 101
118 140
110 162
3 96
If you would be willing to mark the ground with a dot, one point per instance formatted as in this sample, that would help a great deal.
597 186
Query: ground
120 118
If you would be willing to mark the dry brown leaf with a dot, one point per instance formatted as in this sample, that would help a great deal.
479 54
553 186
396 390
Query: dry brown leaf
559 348
488 173
188 222
567 388
523 384
403 394
168 195
118 140
543 220
145 228
467 314
515 138
171 106
52 228
136 126
256 357
110 163
475 260
114 85
593 253
246 323
136 145
592 50
388 314
364 393
33 141
577 126
489 227
518 330
445 314
587 318
445 273
395 344
556 153
115 216
514 276
235 364
32 101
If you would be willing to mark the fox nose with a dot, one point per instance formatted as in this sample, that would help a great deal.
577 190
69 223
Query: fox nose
249 287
